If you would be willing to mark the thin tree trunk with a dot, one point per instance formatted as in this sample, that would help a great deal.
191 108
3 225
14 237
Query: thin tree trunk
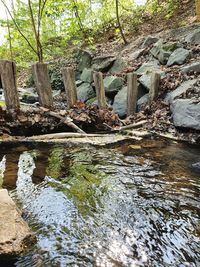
9 36
38 45
118 22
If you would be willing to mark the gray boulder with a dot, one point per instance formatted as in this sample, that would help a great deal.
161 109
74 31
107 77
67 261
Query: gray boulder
148 67
85 59
142 102
186 114
194 67
149 41
87 76
163 51
179 90
85 92
119 65
78 82
15 235
136 54
120 102
179 56
113 84
193 37
103 63
145 79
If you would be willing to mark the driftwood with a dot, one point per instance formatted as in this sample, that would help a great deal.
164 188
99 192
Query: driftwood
66 121
131 126
62 136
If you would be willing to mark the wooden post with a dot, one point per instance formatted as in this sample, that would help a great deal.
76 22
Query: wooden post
8 80
155 85
70 86
43 85
100 90
132 93
198 9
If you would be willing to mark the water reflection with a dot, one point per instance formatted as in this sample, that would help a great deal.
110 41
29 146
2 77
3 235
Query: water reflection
110 207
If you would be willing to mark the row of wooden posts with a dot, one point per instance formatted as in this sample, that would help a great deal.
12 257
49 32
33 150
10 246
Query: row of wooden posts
44 91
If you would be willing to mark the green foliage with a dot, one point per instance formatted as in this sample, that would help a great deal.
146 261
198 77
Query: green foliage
73 23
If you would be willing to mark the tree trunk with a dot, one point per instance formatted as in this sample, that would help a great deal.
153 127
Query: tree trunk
118 22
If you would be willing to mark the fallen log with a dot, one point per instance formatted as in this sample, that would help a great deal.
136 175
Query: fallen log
66 120
63 136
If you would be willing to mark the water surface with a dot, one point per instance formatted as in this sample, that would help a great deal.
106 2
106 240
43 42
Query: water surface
132 205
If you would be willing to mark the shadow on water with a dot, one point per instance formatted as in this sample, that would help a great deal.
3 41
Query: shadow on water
132 205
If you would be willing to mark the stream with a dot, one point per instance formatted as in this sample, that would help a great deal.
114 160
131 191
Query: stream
124 206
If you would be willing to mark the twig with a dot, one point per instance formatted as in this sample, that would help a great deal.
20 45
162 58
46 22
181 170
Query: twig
66 120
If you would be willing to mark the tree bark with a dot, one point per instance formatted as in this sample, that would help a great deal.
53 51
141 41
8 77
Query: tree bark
118 22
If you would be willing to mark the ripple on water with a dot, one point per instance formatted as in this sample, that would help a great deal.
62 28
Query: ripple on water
108 207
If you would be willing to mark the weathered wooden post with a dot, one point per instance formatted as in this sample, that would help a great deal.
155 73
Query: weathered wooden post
8 80
43 85
100 90
70 86
155 85
198 9
132 93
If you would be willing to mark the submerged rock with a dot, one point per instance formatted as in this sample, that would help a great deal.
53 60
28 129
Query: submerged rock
179 56
186 114
15 235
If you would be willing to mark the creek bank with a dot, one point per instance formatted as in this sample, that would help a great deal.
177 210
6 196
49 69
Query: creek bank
15 235
173 53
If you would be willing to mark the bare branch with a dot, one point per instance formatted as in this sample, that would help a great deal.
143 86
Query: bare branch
18 28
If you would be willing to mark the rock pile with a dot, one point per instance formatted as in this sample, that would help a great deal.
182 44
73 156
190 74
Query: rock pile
179 52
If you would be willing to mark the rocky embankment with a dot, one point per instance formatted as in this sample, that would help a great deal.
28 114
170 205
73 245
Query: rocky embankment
174 54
